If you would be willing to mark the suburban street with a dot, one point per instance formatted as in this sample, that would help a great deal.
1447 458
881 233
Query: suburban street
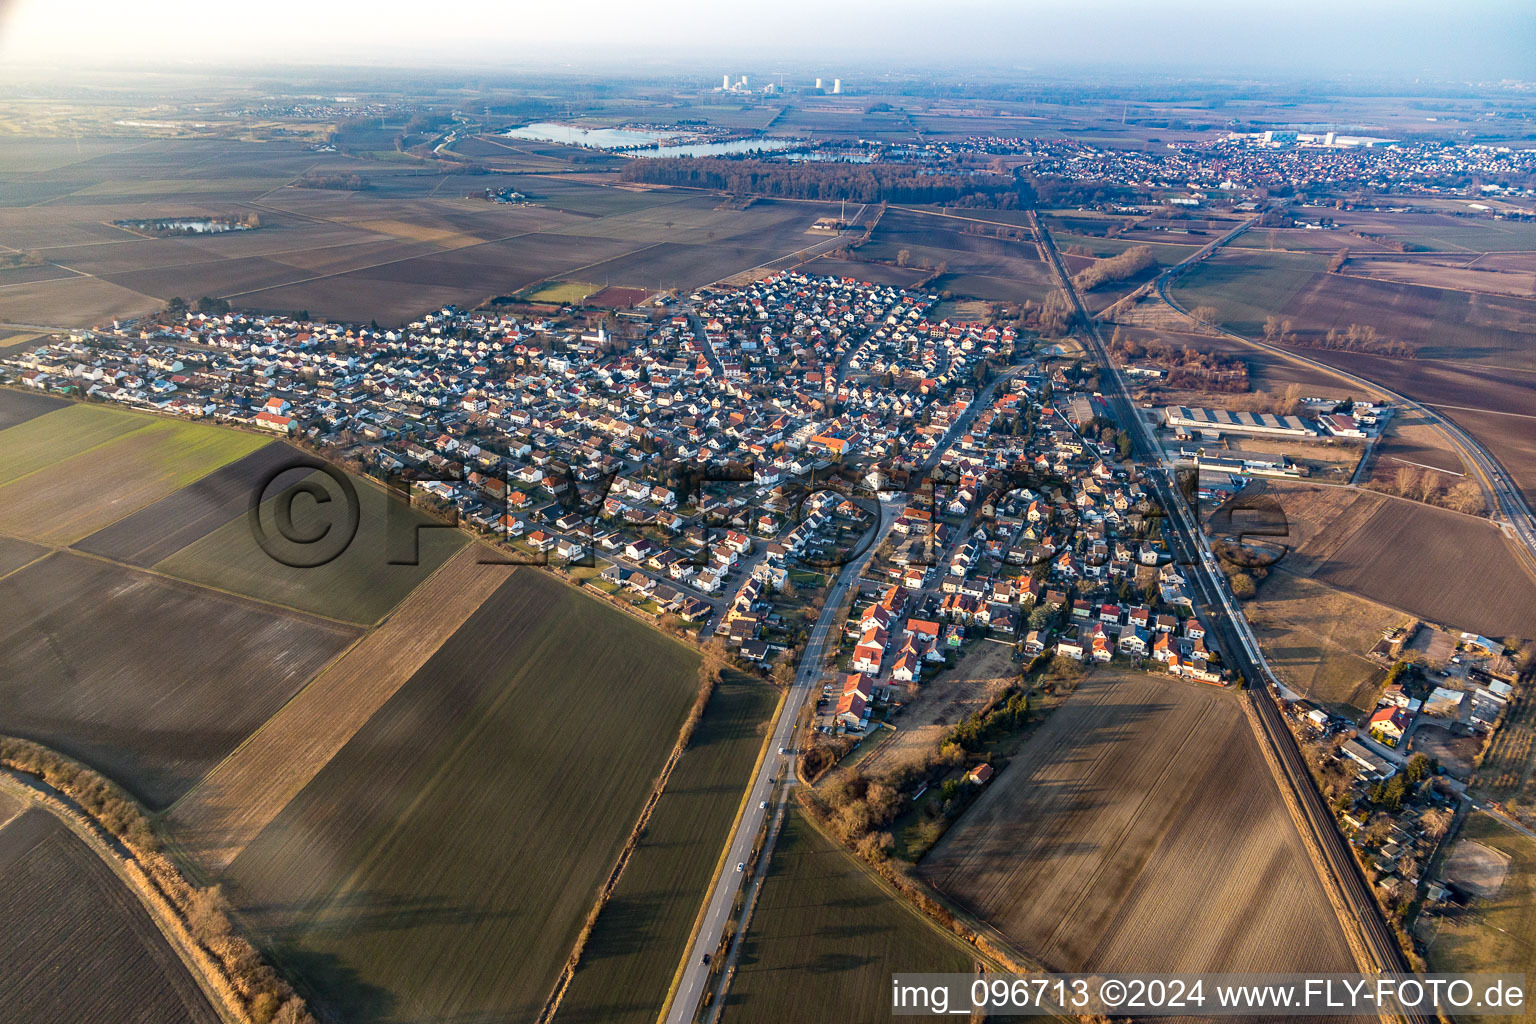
1240 649
706 939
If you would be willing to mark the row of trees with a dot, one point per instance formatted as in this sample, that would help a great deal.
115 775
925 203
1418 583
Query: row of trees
341 182
210 305
1428 486
1116 268
1187 367
1052 318
1354 338
830 180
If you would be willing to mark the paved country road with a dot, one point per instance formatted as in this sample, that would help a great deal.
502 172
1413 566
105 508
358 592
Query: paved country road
1504 496
690 989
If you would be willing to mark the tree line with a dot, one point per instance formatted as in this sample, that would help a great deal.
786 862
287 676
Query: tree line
1116 268
860 183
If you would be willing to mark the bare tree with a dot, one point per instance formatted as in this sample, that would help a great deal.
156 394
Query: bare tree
205 915
1436 821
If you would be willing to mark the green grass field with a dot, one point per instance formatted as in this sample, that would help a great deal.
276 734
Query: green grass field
441 865
643 931
1440 232
562 291
1490 935
1246 287
49 439
825 939
361 585
76 496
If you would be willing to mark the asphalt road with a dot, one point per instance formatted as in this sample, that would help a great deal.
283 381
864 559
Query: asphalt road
1507 500
1217 609
706 939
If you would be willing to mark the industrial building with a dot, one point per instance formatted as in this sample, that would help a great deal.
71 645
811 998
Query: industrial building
1215 422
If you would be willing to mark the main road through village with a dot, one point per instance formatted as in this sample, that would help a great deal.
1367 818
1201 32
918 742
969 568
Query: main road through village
706 939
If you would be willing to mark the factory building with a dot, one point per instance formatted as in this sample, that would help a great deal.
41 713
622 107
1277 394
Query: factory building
1215 422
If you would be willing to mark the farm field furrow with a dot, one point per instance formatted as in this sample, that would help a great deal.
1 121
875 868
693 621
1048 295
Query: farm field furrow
1097 849
441 865
644 928
240 797
78 946
150 680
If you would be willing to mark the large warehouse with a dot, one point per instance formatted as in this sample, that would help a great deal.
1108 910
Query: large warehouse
1214 422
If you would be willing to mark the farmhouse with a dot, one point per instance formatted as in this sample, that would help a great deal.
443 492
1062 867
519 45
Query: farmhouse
1387 725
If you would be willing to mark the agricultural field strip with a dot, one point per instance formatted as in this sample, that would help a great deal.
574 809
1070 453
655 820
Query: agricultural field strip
837 929
309 279
164 527
17 407
1429 562
359 587
138 691
42 442
16 555
1096 882
1080 779
1121 919
71 917
634 951
216 820
94 488
487 723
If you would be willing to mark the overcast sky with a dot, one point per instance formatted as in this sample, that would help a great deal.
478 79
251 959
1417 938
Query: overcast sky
1480 40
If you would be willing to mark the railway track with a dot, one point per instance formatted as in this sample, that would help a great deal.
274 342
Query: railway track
1240 647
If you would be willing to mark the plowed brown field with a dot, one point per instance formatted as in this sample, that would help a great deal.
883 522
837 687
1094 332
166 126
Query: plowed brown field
1141 830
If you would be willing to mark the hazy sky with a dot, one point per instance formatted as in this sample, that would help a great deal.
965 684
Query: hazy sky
1460 39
